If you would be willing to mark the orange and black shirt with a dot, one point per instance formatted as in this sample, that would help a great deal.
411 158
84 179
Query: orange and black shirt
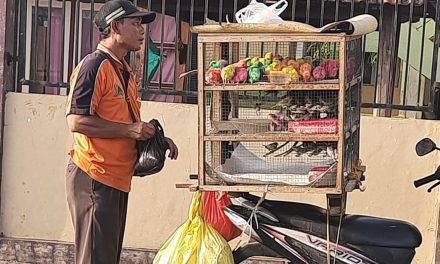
95 89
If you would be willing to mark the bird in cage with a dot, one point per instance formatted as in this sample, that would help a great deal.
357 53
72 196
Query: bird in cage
241 75
257 108
331 68
268 56
294 76
305 71
227 73
285 102
212 76
243 63
254 73
218 64
271 146
296 65
277 124
319 73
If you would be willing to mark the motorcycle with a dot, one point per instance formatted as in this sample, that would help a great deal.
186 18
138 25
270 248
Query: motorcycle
307 234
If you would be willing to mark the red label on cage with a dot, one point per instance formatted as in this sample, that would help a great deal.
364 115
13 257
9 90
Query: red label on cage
326 126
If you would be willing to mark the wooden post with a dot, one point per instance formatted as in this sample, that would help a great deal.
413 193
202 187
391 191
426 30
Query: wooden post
235 50
385 77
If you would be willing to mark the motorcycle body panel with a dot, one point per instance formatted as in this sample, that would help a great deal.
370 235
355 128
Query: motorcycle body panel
300 235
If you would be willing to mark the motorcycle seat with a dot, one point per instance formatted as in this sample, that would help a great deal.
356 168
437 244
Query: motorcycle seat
355 229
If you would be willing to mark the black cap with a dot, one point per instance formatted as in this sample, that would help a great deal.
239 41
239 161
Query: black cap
119 9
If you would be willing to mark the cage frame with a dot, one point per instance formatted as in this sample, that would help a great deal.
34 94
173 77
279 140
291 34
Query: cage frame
217 39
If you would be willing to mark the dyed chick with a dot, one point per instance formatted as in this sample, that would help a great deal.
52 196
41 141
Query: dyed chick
319 73
254 74
218 64
212 76
241 75
242 63
227 73
331 68
305 71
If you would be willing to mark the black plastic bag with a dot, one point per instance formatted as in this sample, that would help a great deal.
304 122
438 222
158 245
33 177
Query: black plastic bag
151 152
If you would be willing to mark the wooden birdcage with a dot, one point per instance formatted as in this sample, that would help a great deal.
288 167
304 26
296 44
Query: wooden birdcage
279 112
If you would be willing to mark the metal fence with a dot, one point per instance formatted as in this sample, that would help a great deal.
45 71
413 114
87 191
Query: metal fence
53 35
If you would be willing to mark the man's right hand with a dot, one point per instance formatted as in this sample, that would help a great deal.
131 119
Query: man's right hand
141 130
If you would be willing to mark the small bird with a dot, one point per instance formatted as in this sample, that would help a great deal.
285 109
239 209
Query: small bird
227 73
331 153
212 76
306 72
319 73
243 63
257 108
271 146
223 63
254 74
217 64
331 68
285 102
241 75
214 64
275 119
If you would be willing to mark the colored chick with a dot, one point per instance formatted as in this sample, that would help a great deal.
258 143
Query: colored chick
228 73
319 73
254 74
242 63
241 75
331 68
218 64
306 72
212 76
294 76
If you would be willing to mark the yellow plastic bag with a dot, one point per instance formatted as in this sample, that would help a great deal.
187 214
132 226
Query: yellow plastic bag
195 242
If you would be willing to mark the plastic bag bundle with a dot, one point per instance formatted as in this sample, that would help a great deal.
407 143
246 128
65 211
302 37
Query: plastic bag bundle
213 204
151 152
195 242
257 12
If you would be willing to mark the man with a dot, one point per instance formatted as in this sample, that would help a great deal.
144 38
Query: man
98 177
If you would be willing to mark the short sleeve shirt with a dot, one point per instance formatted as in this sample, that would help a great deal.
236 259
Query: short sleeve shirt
96 90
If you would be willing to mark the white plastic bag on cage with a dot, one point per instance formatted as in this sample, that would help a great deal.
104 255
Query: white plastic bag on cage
257 12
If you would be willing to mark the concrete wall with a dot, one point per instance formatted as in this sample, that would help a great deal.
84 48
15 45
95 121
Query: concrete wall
33 203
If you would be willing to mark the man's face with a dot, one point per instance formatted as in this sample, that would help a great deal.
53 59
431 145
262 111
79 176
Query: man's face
131 33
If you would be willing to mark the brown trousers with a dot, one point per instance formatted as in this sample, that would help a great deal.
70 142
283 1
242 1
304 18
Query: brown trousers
98 215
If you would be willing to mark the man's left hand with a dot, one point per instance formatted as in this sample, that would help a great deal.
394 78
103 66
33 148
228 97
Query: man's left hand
174 152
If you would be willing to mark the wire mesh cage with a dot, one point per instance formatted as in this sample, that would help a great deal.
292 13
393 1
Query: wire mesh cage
279 113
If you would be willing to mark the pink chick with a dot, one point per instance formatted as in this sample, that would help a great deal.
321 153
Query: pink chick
241 75
331 68
319 73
